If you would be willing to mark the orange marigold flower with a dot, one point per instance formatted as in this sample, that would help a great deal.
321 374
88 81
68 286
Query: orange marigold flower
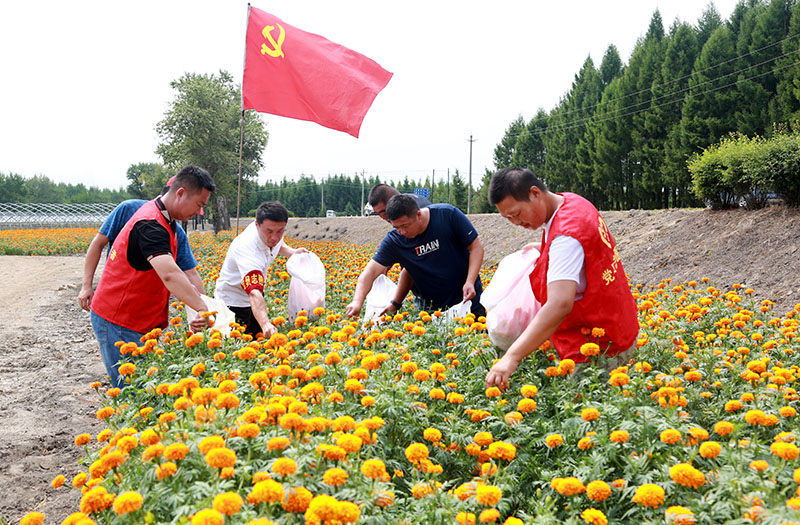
620 436
221 458
416 452
488 495
58 481
679 515
227 503
568 486
374 469
266 491
686 475
284 467
207 517
710 449
177 451
723 428
127 502
334 477
590 414
32 518
553 440
166 469
593 516
297 500
649 495
598 490
589 349
670 436
759 465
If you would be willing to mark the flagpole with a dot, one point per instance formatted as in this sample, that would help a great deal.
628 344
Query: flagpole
239 190
241 130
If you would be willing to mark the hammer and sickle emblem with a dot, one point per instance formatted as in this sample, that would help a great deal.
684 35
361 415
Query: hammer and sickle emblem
276 50
605 235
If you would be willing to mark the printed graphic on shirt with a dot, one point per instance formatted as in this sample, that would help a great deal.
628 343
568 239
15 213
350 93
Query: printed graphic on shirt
253 281
422 249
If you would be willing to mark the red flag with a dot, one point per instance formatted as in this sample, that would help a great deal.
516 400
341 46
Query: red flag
296 74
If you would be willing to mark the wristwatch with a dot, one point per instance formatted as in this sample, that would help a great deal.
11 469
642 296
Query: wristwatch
396 304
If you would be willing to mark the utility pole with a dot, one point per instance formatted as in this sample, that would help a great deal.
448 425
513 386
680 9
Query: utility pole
322 198
362 191
469 185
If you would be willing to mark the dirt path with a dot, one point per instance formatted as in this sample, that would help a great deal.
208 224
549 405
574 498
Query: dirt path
48 358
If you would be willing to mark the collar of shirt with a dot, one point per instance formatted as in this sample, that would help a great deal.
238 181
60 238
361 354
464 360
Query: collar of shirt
550 222
163 210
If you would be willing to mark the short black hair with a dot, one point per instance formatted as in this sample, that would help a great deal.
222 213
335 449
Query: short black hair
514 182
401 205
273 211
194 179
381 193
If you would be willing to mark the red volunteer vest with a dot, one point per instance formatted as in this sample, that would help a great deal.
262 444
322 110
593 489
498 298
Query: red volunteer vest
128 297
607 302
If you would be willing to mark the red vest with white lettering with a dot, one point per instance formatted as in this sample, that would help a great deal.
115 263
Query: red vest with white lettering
135 299
607 302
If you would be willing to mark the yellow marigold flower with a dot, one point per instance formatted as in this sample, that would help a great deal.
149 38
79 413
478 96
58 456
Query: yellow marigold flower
513 521
733 405
208 443
759 465
589 349
374 469
227 503
207 517
488 495
127 369
598 490
284 467
649 495
755 417
619 379
248 430
416 452
686 475
723 428
58 481
82 439
566 367
501 450
367 401
105 413
590 414
334 477
787 451
95 500
593 516
585 443
32 518
553 440
489 516
788 411
350 443
153 451
670 436
266 491
710 449
176 451
436 393
568 486
679 515
432 434
221 458
619 436
127 502
277 443
297 500
526 405
166 469
483 438
465 518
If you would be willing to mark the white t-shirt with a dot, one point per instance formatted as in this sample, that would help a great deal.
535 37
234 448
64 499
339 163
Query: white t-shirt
566 260
246 253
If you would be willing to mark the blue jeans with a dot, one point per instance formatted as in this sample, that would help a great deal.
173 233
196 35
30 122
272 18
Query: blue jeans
107 334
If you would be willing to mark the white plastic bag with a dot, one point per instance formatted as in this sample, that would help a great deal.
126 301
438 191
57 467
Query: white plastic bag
459 310
379 298
509 301
307 287
222 319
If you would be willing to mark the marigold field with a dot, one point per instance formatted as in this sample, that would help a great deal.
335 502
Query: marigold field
333 422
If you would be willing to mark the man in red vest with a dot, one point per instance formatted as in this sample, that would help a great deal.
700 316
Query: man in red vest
578 279
132 296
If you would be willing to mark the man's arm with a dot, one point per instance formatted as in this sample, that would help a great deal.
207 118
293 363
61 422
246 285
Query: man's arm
179 285
256 297
93 254
475 262
368 275
560 299
196 280
288 251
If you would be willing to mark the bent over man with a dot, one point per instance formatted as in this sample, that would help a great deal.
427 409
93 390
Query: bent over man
132 297
578 278
241 280
437 246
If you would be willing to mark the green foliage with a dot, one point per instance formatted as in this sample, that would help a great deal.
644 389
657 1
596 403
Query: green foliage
39 188
202 127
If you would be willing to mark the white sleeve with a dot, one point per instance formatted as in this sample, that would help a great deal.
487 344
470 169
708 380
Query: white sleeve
565 260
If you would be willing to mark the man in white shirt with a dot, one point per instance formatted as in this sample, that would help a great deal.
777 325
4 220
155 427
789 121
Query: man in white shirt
241 280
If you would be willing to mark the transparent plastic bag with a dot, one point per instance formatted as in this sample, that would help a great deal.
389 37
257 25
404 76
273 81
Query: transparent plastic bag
509 301
456 311
222 319
307 287
379 298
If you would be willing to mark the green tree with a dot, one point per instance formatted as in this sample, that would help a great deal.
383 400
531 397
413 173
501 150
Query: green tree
504 151
13 188
202 127
787 97
458 189
146 179
529 151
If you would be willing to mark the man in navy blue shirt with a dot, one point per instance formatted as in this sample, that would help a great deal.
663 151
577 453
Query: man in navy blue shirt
439 248
109 231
